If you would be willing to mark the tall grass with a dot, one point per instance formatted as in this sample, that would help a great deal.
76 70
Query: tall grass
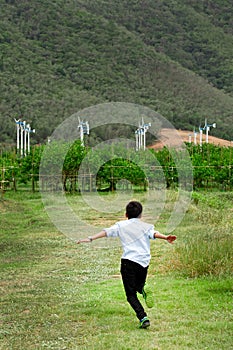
206 247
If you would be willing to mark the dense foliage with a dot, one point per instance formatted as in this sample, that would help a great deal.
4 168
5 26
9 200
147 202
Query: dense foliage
57 57
84 169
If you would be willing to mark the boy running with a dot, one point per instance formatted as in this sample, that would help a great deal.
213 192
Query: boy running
135 238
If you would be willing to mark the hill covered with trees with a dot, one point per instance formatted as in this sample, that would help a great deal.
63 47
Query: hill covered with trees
57 57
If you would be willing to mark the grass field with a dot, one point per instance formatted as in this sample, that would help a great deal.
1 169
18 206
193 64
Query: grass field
57 295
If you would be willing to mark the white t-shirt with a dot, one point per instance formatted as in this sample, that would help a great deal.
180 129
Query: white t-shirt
135 238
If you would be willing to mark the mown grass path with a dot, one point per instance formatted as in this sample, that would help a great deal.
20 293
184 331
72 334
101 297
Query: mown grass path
56 295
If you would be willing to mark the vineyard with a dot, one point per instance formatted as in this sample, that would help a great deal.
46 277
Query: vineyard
84 170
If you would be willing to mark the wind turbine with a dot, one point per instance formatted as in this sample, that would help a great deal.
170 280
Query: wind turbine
207 128
23 131
84 129
140 134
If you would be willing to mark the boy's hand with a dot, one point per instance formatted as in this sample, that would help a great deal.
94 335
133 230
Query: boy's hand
171 239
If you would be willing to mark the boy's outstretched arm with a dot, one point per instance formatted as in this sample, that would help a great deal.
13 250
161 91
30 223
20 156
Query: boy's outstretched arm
169 238
89 239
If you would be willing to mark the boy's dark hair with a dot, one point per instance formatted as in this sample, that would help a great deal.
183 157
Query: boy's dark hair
133 209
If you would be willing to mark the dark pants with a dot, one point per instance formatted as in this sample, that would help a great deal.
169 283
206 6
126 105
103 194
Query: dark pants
134 278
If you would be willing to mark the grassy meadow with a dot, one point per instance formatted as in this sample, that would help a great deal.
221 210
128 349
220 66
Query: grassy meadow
57 295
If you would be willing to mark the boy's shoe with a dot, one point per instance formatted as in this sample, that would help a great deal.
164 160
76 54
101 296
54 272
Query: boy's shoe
144 323
148 296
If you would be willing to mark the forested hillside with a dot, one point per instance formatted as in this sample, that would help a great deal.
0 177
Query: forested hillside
57 57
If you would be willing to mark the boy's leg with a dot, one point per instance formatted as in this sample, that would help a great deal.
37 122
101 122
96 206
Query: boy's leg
141 279
144 289
130 272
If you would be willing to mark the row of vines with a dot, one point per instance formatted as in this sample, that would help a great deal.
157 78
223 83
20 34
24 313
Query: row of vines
115 167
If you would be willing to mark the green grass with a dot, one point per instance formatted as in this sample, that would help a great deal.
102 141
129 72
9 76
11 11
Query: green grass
56 295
